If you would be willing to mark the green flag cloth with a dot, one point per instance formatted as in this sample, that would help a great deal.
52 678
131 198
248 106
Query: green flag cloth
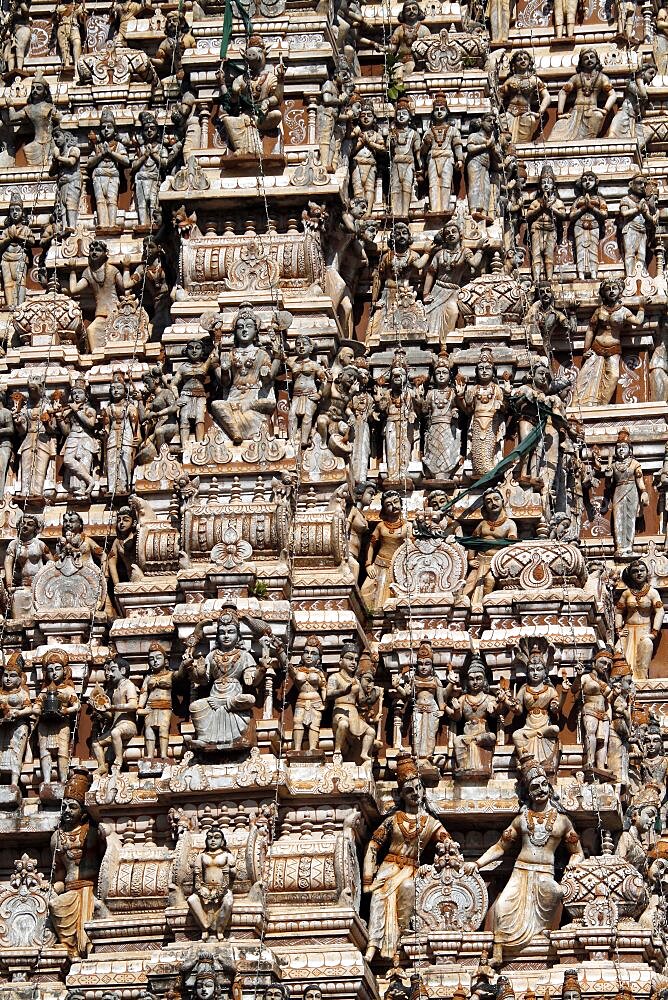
233 7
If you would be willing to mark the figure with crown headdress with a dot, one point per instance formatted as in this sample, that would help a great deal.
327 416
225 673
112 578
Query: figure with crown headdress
477 707
441 152
621 724
571 989
255 93
529 902
402 836
76 851
638 838
77 422
155 701
485 401
637 221
106 163
396 400
368 147
538 699
628 494
311 682
423 689
120 422
15 712
211 900
639 616
545 216
16 245
405 164
450 269
599 372
56 707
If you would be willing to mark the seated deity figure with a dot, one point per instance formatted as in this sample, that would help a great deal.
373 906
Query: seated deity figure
587 87
211 900
539 702
257 91
525 97
599 372
477 708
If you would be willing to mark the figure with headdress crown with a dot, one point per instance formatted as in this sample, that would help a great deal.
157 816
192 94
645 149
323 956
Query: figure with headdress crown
593 695
637 221
391 531
105 283
545 216
311 682
477 708
211 900
120 420
421 687
441 152
368 147
571 989
396 401
56 707
638 837
538 699
653 762
155 701
486 403
405 164
115 715
256 93
525 97
529 902
106 163
451 268
629 494
16 245
35 422
402 836
15 711
77 422
599 372
639 616
345 690
495 524
621 726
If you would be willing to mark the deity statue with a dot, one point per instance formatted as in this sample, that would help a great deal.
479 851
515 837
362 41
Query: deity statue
442 153
541 398
654 762
587 86
77 422
247 372
147 168
538 699
587 221
17 32
25 556
77 852
403 836
368 147
525 97
477 708
35 422
599 372
638 838
387 536
398 270
500 13
441 453
345 690
405 164
409 42
486 402
311 682
621 726
16 710
396 401
114 715
211 900
167 62
637 221
361 413
531 898
627 123
56 708
106 163
155 702
545 216
565 13
70 31
257 91
629 494
105 283
39 113
421 687
484 168
335 94
6 439
638 618
594 695
189 380
158 416
222 717
451 268
66 167
550 321
120 422
308 377
495 523
16 245
151 282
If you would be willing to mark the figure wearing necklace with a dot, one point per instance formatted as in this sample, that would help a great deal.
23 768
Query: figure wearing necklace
106 285
597 379
494 524
538 698
399 269
486 402
423 689
405 165
525 97
476 707
640 834
587 220
588 85
441 151
386 538
638 618
528 904
397 401
629 494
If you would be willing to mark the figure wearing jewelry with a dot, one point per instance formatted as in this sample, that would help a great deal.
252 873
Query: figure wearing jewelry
66 166
115 715
495 524
189 380
588 86
639 616
120 420
545 216
17 32
345 690
485 402
308 379
538 699
25 556
451 268
627 123
398 271
107 287
147 168
405 165
15 711
106 164
258 91
16 246
155 702
71 21
550 321
442 152
629 494
624 692
637 221
524 96
410 41
541 399
368 145
77 422
599 372
587 219
311 682
477 708
212 900
39 113
56 708
36 424
637 842
441 454
484 169
594 695
422 688
397 402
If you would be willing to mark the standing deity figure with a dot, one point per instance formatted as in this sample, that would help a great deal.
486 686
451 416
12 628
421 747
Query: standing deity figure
335 94
550 321
189 381
345 690
148 165
16 245
6 439
105 283
599 372
441 454
545 216
442 153
587 86
70 28
106 164
247 373
621 727
308 380
122 13
484 168
396 402
539 701
637 221
361 413
122 557
115 715
77 422
421 687
541 398
56 708
258 90
39 113
35 422
565 13
638 618
25 556
400 839
211 900
587 219
485 402
311 682
120 423
495 523
16 710
594 695
168 60
627 123
155 702
405 165
397 273
158 416
222 717
410 40
66 167
368 147
151 283
477 709
629 494
451 268
528 904
525 97
390 532
76 851
17 31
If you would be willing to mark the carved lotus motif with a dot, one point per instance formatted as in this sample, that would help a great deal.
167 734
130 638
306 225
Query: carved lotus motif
539 565
600 890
